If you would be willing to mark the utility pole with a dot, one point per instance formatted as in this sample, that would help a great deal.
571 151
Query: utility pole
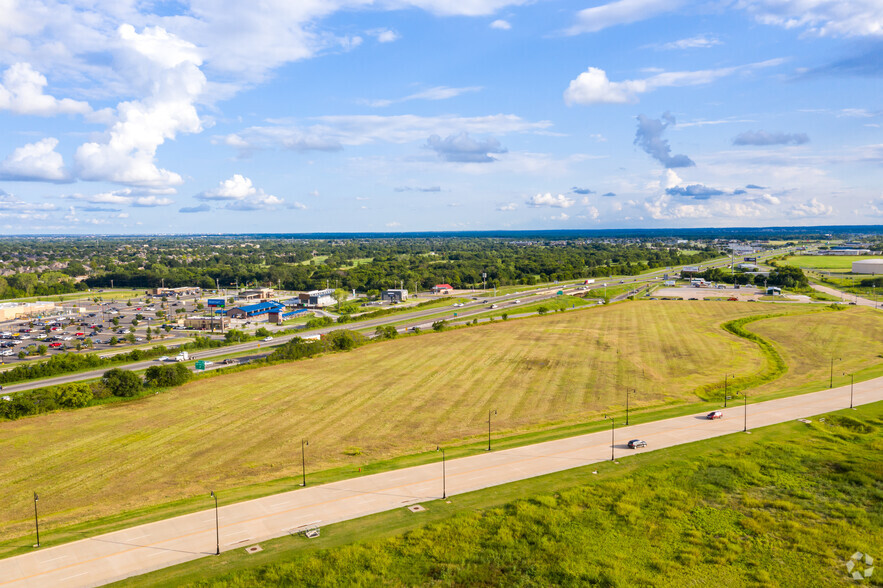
612 437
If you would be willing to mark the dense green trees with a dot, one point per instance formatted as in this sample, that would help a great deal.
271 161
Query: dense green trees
163 376
122 382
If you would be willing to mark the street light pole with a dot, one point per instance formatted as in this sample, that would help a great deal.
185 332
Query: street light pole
726 388
612 437
628 392
36 520
444 473
217 525
831 385
489 429
303 460
851 386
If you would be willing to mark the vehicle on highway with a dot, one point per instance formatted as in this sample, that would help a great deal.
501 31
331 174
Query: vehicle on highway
229 361
268 338
163 358
715 414
635 443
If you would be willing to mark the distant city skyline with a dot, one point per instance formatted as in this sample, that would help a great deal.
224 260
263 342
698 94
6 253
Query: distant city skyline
438 115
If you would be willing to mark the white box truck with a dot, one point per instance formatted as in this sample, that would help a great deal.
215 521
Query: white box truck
183 356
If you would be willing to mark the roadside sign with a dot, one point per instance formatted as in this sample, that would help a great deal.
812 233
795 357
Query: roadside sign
560 292
200 365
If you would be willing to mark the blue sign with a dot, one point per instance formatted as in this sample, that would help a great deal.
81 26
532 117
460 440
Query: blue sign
213 302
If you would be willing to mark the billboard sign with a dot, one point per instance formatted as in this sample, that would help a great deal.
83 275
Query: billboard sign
216 302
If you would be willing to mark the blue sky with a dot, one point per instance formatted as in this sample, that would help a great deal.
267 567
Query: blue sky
406 115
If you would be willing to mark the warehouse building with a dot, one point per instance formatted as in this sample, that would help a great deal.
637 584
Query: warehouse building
318 298
868 266
14 310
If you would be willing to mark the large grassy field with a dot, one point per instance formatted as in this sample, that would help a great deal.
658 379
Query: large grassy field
387 399
786 506
825 262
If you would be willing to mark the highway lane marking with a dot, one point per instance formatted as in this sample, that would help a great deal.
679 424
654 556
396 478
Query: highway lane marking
53 559
74 576
355 493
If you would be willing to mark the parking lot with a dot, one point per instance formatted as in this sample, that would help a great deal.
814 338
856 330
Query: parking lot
87 325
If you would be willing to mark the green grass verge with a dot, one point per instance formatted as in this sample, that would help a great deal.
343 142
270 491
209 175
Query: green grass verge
785 506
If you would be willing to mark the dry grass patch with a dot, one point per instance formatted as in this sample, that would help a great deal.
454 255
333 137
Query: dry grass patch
386 399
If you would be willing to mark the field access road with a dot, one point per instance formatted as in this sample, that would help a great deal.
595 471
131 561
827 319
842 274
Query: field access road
846 296
114 556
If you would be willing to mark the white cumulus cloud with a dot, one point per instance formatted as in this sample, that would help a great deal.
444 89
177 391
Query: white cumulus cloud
35 162
559 201
21 92
594 87
500 24
241 194
172 82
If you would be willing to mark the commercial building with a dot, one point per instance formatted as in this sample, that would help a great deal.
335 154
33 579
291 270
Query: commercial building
256 294
254 310
280 316
318 298
207 323
773 291
442 289
395 295
183 291
868 266
14 310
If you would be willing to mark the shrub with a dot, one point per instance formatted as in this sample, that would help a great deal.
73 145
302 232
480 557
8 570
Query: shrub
163 376
121 382
73 395
262 332
542 310
386 332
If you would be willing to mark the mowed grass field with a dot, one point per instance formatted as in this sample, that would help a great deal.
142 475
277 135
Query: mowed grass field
853 338
825 262
386 399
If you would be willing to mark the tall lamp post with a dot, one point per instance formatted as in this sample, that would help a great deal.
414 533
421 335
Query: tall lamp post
628 392
831 384
303 461
444 473
612 437
217 525
726 387
489 428
36 520
851 386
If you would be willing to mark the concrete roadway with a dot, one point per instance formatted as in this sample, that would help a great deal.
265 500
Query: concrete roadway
845 296
114 556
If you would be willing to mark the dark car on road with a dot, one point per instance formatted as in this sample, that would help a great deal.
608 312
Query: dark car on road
635 443
715 414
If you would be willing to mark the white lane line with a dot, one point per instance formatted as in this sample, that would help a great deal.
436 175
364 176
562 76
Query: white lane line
235 533
53 559
74 576
157 553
